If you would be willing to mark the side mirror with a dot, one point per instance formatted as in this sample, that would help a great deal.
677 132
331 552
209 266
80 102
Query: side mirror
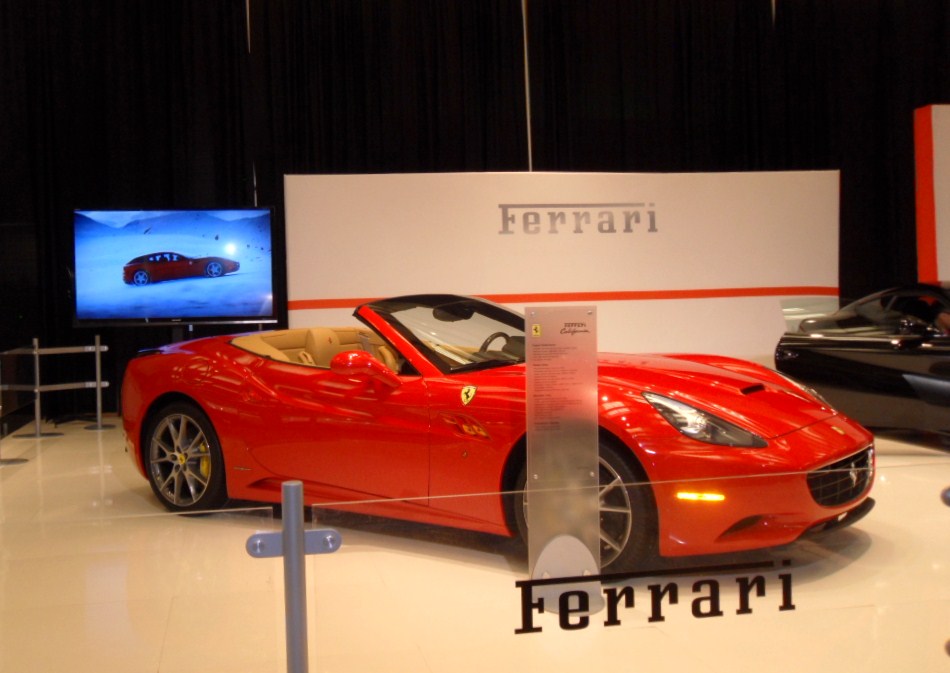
362 366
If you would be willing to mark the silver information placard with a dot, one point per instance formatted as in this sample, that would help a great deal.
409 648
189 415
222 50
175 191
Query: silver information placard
562 485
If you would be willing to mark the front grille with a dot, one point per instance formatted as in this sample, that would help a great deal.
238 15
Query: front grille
843 481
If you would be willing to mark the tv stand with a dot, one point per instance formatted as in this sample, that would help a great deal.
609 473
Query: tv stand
178 332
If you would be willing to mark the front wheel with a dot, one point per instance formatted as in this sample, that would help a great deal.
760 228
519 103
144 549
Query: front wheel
183 459
214 269
627 512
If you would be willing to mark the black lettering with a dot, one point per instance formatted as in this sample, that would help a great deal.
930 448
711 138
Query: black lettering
787 603
712 610
573 605
565 610
528 607
614 597
746 585
656 600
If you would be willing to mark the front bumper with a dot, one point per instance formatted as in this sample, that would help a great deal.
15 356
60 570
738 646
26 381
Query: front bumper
818 478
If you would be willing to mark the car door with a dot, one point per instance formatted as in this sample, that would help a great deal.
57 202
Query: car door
160 268
476 419
342 436
925 368
178 266
881 380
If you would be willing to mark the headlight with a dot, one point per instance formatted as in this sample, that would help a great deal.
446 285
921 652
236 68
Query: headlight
702 426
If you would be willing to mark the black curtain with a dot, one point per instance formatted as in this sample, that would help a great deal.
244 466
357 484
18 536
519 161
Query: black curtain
853 73
117 104
394 86
110 103
651 85
692 85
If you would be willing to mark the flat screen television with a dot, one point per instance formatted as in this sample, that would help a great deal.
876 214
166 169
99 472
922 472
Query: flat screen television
160 267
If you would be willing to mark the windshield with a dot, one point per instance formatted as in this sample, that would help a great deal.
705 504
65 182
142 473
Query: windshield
458 333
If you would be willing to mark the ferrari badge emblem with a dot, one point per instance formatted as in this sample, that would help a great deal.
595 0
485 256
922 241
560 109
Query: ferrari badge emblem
536 330
468 394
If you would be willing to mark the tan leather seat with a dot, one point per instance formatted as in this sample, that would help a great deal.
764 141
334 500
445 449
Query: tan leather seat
387 357
317 346
321 345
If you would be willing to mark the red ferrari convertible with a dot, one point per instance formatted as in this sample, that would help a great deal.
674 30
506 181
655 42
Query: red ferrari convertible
426 400
160 266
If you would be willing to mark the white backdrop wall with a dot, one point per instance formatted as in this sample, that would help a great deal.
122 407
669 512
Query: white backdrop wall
674 262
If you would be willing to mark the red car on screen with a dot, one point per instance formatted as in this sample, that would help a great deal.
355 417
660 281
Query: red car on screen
419 413
159 266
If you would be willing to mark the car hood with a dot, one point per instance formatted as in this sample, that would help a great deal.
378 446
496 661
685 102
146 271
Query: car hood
752 396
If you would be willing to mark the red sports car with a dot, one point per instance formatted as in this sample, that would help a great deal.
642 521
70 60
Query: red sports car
160 266
698 454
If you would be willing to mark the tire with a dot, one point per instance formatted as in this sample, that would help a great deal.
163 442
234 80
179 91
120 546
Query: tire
627 511
214 269
140 277
183 459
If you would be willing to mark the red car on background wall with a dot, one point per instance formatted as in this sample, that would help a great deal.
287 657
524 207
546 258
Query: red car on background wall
159 266
419 414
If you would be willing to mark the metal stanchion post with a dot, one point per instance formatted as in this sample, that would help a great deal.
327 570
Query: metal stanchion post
945 497
293 543
38 388
37 411
99 385
295 577
37 391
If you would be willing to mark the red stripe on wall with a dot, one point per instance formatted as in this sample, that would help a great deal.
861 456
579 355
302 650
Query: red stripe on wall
551 297
927 271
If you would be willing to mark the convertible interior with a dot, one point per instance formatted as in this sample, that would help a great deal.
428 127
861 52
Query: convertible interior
316 346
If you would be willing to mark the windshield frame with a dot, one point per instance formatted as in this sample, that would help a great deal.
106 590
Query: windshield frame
450 331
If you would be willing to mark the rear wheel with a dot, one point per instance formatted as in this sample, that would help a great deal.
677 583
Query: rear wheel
627 512
183 459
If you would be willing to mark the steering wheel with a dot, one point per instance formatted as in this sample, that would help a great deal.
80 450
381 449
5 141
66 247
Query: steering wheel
491 337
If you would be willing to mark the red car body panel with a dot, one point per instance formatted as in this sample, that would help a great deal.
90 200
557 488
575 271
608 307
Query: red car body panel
415 451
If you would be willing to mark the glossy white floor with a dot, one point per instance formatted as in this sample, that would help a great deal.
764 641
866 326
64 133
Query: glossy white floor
95 577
